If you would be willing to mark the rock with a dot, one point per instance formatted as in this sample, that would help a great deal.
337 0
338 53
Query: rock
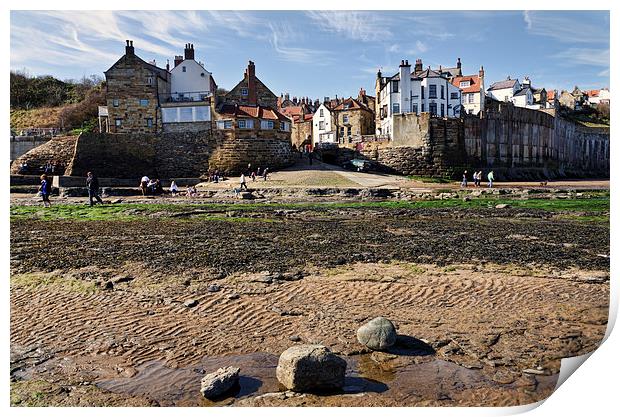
466 198
378 334
246 195
219 382
116 201
190 303
311 368
502 206
294 338
233 296
213 288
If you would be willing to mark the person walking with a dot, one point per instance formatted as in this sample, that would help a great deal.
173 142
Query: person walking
174 189
92 183
45 189
265 174
310 158
491 178
242 183
464 182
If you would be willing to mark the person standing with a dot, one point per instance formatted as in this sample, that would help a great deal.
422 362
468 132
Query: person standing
174 189
45 189
92 183
265 174
464 181
310 158
144 182
242 183
491 178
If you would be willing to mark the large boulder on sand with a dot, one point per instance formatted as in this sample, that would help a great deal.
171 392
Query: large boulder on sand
378 334
310 368
219 382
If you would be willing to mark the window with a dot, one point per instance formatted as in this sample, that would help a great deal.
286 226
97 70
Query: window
144 102
321 125
184 68
414 108
284 126
423 109
185 114
345 118
346 106
228 124
432 91
149 122
266 124
202 74
442 93
321 112
341 131
422 91
394 86
505 98
149 80
241 124
432 107
464 84
189 114
244 91
442 111
454 96
118 122
470 98
224 124
115 102
395 108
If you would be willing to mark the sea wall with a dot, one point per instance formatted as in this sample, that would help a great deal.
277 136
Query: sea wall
177 154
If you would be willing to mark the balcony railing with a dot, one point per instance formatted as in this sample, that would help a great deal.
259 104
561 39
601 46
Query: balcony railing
186 97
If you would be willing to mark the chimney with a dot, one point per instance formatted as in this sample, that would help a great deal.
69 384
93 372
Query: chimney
418 65
458 63
286 97
168 65
129 48
250 74
177 60
402 63
189 51
481 72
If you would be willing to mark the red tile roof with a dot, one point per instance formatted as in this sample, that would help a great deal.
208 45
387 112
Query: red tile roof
593 93
257 112
474 83
550 95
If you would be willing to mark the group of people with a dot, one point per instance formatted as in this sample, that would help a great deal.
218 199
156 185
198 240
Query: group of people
151 186
48 168
477 177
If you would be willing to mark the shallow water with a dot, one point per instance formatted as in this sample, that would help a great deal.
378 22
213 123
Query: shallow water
396 379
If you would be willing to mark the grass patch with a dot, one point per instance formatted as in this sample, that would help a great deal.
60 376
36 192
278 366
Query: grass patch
410 267
595 203
53 281
434 180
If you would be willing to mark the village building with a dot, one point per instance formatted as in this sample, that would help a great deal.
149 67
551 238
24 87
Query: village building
352 120
300 112
420 91
520 94
472 91
574 100
190 103
133 89
596 97
324 126
250 108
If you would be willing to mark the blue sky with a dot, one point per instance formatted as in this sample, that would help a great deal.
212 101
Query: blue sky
322 53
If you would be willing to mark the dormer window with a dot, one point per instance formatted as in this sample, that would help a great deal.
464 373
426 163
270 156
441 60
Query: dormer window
244 91
202 74
184 68
464 84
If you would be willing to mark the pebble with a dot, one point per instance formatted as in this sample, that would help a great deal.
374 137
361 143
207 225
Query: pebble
213 288
190 303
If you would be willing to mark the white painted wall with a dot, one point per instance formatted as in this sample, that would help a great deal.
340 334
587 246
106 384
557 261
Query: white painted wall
504 94
192 82
322 135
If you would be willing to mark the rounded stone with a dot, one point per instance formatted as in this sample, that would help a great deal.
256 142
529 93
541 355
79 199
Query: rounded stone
378 334
305 368
217 383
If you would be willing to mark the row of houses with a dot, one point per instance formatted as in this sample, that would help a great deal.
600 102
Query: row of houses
144 98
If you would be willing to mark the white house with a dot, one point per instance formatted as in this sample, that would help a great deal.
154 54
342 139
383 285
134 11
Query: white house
596 97
504 90
190 81
323 126
472 91
417 92
519 94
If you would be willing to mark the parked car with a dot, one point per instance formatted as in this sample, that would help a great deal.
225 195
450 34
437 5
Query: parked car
359 165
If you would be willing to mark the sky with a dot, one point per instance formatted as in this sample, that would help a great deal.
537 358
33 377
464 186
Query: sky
322 53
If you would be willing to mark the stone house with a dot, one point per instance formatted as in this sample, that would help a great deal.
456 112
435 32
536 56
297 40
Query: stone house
133 88
472 91
353 119
250 109
420 91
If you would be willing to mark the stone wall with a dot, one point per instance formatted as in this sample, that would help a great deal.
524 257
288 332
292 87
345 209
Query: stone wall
22 144
60 149
301 133
170 155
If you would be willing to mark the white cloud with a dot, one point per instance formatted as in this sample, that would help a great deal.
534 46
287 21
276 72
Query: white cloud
282 33
584 56
362 26
565 29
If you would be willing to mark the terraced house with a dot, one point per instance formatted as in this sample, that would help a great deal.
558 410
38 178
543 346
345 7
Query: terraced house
353 119
134 87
